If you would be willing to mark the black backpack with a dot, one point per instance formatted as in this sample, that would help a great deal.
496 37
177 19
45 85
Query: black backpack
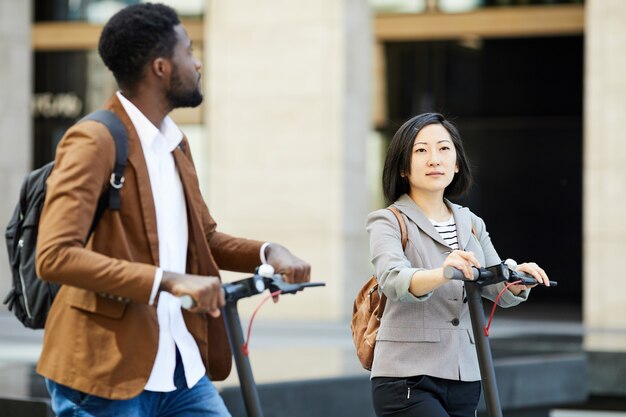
30 297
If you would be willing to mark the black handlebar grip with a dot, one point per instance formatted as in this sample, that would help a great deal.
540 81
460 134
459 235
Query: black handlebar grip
527 279
451 272
187 302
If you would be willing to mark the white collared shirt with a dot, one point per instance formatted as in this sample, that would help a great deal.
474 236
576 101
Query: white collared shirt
172 231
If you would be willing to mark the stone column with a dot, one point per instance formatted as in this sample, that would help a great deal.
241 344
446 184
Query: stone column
605 196
288 113
15 116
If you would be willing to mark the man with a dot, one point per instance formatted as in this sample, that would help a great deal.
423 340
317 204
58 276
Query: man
117 342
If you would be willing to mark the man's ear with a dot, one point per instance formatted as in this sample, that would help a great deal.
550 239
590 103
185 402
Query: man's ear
161 68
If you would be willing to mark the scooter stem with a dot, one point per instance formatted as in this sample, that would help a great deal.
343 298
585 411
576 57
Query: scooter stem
485 361
244 370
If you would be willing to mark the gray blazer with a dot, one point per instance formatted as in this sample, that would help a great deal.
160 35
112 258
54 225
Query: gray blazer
432 334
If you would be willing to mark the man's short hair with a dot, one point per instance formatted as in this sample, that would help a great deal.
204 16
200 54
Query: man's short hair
135 36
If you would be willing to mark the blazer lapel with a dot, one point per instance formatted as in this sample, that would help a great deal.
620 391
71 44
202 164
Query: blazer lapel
199 251
413 212
463 220
137 160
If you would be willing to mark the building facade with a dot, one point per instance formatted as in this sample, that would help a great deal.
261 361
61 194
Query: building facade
291 101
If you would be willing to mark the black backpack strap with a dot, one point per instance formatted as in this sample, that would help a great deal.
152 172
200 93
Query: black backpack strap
111 199
118 131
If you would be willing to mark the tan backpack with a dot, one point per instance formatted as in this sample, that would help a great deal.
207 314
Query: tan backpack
368 309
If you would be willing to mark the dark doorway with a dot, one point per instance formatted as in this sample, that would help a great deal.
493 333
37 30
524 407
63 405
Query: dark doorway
518 105
58 99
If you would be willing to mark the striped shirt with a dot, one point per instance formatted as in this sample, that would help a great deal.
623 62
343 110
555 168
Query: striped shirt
447 230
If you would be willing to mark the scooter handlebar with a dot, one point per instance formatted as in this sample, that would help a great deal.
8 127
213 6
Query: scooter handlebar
451 272
187 302
263 279
492 275
526 279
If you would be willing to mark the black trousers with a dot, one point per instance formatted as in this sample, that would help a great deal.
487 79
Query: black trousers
424 396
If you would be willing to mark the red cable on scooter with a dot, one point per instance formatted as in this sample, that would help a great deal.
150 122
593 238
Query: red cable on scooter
244 348
495 304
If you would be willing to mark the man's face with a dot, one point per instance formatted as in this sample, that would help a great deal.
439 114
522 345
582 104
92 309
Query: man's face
185 87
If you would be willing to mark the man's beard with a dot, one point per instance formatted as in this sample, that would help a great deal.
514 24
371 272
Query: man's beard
178 96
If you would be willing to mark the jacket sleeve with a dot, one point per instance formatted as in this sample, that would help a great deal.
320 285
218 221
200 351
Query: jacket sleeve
84 161
393 269
491 258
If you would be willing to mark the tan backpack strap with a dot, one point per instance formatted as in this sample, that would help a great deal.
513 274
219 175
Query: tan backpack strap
404 237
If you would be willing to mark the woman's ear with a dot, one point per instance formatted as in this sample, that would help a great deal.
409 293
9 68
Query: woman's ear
456 168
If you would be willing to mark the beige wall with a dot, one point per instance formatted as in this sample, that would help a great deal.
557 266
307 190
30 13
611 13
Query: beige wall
15 120
282 152
605 175
288 114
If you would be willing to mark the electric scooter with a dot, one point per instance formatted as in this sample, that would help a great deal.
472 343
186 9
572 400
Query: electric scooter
503 272
264 278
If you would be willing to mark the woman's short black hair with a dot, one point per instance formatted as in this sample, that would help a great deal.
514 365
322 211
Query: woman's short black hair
398 158
135 36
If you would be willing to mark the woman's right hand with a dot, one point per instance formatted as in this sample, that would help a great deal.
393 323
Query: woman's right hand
463 261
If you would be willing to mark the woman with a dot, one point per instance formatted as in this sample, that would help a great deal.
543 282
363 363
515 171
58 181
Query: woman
425 362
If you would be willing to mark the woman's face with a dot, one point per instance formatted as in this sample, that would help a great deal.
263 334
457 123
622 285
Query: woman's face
433 160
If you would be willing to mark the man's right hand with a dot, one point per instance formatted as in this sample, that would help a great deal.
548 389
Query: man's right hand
206 291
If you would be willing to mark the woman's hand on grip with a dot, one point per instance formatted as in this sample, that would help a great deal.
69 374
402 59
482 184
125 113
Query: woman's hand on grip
463 261
532 269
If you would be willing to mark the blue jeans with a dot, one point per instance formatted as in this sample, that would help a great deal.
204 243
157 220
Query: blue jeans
202 400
